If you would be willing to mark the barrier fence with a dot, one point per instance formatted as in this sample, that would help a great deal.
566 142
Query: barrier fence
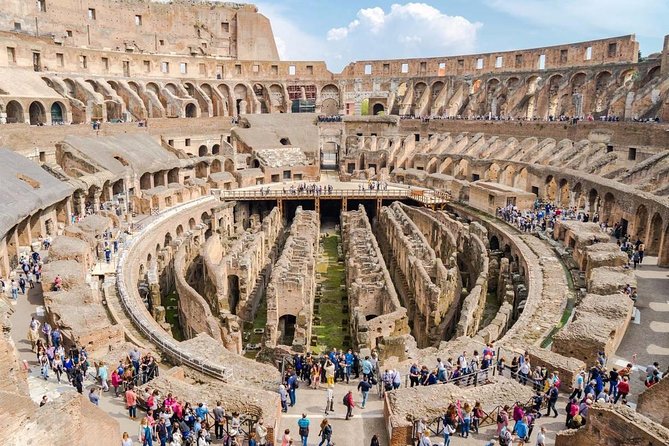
135 310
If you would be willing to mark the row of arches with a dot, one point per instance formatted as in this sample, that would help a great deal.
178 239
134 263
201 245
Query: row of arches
36 113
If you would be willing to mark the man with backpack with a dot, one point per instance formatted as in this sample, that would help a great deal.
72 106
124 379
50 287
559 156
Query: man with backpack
552 396
505 437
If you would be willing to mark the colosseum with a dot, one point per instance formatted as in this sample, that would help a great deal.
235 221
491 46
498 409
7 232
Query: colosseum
202 240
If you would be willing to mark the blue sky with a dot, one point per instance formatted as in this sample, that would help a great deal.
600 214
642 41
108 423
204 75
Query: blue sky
341 31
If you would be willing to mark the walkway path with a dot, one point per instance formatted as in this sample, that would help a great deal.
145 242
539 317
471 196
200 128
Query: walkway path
647 337
357 431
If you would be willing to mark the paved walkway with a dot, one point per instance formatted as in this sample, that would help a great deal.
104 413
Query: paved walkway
647 337
357 431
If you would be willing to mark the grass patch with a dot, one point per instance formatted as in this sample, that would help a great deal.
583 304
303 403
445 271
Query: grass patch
259 322
331 332
171 303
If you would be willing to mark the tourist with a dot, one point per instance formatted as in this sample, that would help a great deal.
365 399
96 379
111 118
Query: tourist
414 374
45 399
364 387
219 417
623 389
466 420
521 430
325 433
505 437
367 368
375 440
477 416
424 440
261 432
235 426
286 440
578 386
283 394
131 402
502 419
116 381
14 290
93 396
103 376
161 431
552 397
126 440
303 425
145 434
348 402
292 387
541 437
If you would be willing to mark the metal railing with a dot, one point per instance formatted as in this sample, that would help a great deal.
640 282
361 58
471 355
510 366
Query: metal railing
134 307
421 195
436 425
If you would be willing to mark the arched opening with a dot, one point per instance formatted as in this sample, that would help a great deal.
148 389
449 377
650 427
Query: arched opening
159 178
378 109
593 202
57 113
191 111
179 230
369 317
563 197
191 223
145 181
37 113
168 240
494 243
216 166
607 208
215 149
578 196
641 222
655 236
14 113
551 188
201 170
233 292
173 175
229 165
287 329
202 150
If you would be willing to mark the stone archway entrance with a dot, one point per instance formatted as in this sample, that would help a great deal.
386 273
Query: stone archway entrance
37 113
57 113
654 236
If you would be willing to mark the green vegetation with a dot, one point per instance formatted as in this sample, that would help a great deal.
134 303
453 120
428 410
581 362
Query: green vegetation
331 331
171 303
259 322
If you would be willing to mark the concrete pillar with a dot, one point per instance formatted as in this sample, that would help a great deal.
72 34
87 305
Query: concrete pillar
96 200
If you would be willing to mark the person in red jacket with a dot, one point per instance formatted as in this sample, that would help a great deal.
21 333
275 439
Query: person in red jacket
348 402
623 389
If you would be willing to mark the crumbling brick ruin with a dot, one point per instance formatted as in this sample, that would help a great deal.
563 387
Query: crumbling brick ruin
376 310
292 287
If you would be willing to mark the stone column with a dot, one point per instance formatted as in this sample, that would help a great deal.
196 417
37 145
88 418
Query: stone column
96 200
80 203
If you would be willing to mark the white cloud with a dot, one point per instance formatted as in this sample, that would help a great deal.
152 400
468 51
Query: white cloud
405 30
342 33
645 17
292 42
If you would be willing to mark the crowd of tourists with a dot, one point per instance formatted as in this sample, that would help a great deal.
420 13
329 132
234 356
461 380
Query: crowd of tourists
549 118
